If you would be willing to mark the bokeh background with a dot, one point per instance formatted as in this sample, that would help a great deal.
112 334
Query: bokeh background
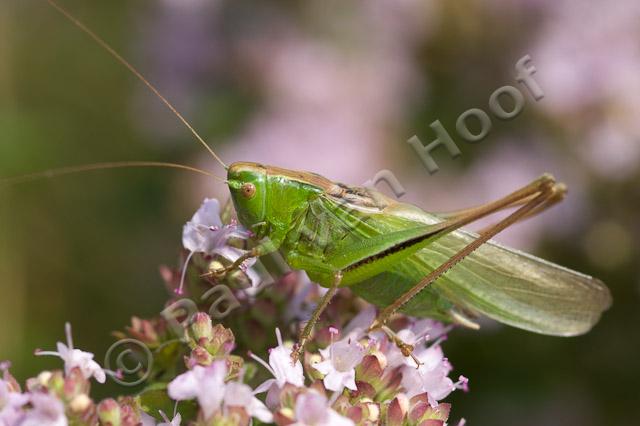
337 88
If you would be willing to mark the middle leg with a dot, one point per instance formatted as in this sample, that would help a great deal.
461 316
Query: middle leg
298 349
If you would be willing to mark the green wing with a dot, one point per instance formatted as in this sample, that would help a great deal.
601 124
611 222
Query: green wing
510 286
507 285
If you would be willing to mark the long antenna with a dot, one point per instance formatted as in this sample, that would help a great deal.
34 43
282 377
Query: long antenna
100 166
135 72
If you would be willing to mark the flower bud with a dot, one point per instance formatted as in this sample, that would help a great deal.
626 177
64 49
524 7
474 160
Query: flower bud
44 378
232 416
373 412
397 410
201 328
288 395
234 364
199 356
365 412
129 412
109 413
356 414
80 403
144 330
222 341
9 380
284 416
309 360
215 267
365 390
421 411
75 384
371 368
389 385
54 381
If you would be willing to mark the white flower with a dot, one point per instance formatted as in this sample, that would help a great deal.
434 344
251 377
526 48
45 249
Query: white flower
47 411
339 365
358 326
300 307
177 419
206 384
281 367
8 398
10 404
419 332
428 329
431 376
312 409
240 395
197 232
10 415
204 233
75 358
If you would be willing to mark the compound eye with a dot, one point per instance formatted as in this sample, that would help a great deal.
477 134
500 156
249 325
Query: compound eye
248 190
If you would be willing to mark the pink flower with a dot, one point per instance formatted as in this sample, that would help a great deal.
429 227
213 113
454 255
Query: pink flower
10 404
357 327
280 367
47 411
312 409
76 358
419 332
177 419
432 376
205 233
339 365
299 306
240 395
206 384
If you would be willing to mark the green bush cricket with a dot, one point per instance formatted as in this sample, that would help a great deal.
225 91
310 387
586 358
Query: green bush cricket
394 254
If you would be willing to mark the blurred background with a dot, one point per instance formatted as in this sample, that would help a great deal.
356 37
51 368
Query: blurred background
337 88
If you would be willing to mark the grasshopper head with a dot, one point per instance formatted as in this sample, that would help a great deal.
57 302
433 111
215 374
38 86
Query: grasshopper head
247 184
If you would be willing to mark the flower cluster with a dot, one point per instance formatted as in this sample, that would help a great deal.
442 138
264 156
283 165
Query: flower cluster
238 370
357 379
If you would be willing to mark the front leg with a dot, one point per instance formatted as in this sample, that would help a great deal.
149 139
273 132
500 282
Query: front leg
263 248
